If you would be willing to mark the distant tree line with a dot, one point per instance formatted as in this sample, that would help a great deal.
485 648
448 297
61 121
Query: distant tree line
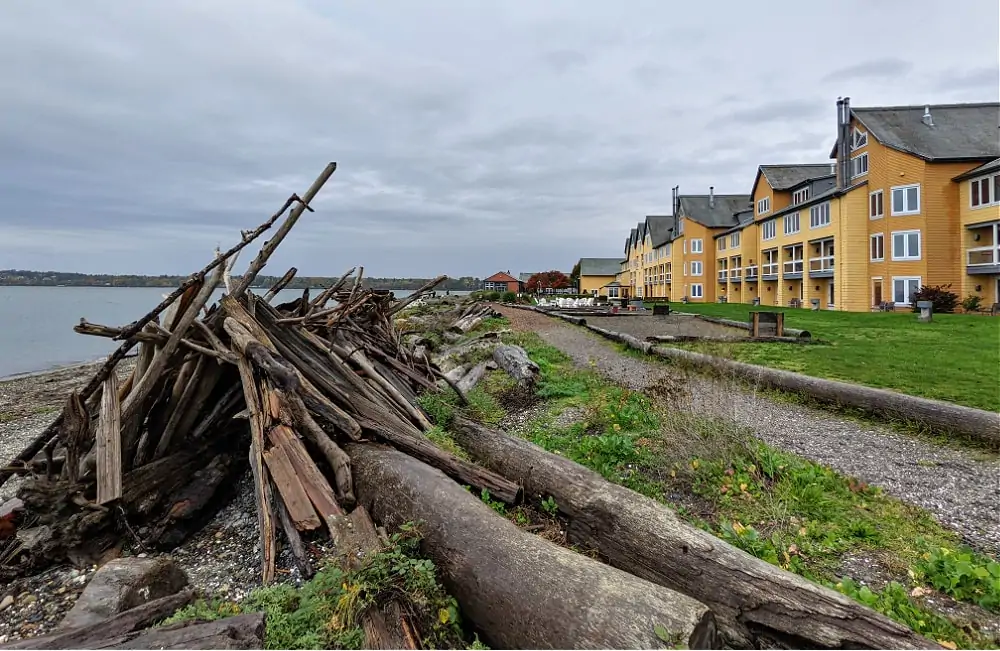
10 277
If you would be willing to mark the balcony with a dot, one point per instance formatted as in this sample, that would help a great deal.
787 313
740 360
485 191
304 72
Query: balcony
736 275
752 273
982 260
792 270
821 267
769 271
722 276
666 278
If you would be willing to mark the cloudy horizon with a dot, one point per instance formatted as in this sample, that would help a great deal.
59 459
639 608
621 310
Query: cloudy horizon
469 137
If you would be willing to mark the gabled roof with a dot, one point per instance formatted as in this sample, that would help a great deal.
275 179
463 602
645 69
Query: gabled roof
959 131
815 199
785 177
660 229
600 266
743 219
501 277
985 168
715 213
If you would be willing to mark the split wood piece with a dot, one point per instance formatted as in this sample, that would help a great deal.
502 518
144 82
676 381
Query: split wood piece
253 399
515 362
73 432
268 249
754 602
403 304
293 495
280 285
392 392
552 597
316 487
109 442
189 501
470 321
194 406
123 623
335 457
294 540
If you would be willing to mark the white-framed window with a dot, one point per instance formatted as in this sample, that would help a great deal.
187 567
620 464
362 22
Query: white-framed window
734 240
791 223
984 191
720 244
666 250
876 205
877 247
800 195
764 205
696 268
906 245
819 215
769 230
906 200
697 246
697 291
858 139
859 165
685 246
612 292
685 269
903 288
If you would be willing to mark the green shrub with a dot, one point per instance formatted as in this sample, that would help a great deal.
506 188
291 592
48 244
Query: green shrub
508 297
972 302
964 575
941 296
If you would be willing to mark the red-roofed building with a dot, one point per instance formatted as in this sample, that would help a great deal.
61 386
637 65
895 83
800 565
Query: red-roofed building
502 281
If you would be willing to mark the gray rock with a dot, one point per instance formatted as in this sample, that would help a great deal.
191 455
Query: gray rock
125 583
6 602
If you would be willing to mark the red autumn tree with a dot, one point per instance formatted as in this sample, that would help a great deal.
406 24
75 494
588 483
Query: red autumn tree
547 280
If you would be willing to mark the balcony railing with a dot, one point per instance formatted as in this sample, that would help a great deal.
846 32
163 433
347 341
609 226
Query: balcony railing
736 274
722 275
751 272
793 267
666 277
982 255
824 263
769 269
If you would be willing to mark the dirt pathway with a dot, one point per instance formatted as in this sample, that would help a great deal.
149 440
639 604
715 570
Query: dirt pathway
961 488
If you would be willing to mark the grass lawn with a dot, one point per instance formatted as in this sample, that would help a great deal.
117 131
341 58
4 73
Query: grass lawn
956 357
781 508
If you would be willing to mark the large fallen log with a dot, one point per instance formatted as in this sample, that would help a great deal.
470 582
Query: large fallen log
515 362
754 602
519 590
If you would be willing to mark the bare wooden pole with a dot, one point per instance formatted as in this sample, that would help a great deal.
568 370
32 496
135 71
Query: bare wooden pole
268 249
400 306
109 444
280 285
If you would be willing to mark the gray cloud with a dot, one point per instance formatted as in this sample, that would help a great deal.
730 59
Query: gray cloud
888 67
138 136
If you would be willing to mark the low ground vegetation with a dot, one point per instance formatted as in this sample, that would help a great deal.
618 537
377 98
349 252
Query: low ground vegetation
784 509
953 358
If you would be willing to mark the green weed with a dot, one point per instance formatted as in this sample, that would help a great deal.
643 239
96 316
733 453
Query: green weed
962 574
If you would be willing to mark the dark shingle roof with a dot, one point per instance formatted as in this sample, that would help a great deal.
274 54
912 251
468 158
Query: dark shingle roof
743 219
718 215
985 168
525 276
786 177
960 130
660 228
600 266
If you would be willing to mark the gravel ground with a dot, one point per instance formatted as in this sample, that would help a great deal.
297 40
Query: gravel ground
646 325
960 487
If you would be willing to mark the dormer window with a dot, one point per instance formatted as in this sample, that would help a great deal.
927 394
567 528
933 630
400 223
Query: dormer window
800 196
859 139
764 205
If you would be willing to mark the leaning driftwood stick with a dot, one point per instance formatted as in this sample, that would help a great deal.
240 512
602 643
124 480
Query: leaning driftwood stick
265 252
358 357
402 305
109 444
280 285
294 541
552 597
320 301
752 599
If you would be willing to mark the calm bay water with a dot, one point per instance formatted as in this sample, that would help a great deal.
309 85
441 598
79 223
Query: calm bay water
36 323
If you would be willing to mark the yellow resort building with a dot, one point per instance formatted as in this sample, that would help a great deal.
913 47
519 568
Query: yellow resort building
911 197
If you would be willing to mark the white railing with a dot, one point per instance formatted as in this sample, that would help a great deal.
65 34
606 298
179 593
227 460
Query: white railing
666 277
982 255
736 273
769 269
793 267
823 263
722 275
752 271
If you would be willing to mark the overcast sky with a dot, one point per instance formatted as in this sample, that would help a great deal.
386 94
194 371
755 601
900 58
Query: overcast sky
470 136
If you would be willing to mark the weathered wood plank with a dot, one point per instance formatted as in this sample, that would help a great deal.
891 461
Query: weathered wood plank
318 490
291 490
109 444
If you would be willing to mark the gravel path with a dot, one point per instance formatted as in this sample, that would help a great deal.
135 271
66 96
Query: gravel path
961 488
